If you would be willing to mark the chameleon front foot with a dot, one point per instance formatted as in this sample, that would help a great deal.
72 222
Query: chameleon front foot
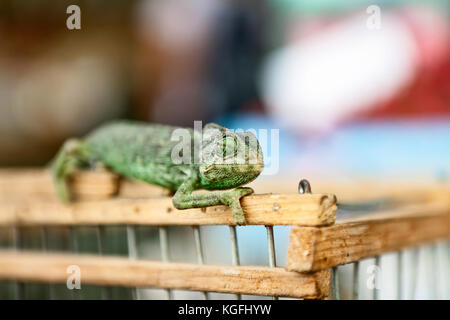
184 199
232 199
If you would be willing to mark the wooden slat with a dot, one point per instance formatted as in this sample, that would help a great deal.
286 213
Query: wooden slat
312 249
38 184
410 190
269 209
27 198
20 183
116 271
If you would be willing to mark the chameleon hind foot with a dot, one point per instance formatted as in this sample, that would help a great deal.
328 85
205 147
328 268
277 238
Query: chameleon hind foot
232 199
70 157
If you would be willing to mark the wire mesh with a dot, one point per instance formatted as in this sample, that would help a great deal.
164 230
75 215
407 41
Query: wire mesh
408 266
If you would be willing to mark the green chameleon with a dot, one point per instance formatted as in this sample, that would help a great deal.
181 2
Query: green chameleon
148 152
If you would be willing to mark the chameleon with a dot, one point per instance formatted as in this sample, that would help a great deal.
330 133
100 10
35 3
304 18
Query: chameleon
148 152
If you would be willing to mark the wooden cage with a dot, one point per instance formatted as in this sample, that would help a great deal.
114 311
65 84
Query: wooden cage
417 215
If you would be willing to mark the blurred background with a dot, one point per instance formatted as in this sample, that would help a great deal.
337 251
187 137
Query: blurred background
358 89
351 94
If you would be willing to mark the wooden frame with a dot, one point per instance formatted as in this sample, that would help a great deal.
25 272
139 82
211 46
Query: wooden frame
38 205
270 209
52 268
316 244
312 249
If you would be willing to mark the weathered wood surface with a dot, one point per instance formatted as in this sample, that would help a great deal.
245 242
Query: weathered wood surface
27 198
38 184
269 209
20 183
312 249
117 271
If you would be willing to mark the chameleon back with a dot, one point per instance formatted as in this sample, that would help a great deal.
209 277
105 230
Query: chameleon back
138 150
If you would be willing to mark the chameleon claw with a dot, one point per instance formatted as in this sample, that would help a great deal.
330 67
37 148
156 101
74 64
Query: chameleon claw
238 216
232 199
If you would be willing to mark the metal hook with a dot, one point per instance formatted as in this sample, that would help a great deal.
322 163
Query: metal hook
304 186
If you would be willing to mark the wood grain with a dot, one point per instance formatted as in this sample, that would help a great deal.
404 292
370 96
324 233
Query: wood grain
28 183
404 189
269 209
312 249
116 271
37 184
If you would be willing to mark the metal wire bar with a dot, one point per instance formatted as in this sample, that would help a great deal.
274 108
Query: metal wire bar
375 291
356 280
199 249
304 187
271 247
164 244
447 266
132 242
414 273
234 251
106 292
45 245
335 283
101 239
271 250
73 245
17 244
434 272
133 254
399 275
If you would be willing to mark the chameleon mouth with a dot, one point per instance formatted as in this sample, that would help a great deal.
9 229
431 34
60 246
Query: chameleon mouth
259 166
225 176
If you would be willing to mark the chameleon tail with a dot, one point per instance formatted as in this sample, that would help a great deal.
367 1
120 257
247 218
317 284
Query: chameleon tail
68 159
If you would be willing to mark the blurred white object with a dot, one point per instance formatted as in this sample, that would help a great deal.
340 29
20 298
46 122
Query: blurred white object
324 77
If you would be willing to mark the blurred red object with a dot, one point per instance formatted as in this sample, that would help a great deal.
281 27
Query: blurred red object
336 70
429 92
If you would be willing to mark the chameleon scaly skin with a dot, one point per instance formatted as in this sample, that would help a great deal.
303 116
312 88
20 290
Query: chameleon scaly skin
145 152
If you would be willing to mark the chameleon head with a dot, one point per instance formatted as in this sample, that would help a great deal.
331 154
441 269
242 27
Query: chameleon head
229 159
